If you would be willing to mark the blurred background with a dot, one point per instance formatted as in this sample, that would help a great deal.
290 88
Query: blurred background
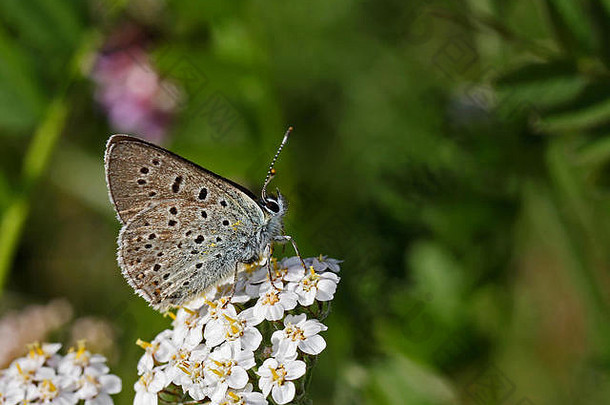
455 155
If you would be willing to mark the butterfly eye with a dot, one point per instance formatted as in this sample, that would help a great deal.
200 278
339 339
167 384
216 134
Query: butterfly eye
272 206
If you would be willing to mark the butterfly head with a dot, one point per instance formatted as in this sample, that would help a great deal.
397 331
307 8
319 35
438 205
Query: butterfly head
275 205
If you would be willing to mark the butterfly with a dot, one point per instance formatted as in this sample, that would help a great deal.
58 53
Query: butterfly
185 229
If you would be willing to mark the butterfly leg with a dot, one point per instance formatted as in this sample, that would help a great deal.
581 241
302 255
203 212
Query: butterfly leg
270 273
288 238
233 287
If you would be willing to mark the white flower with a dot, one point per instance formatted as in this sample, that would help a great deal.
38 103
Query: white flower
23 370
288 270
242 397
238 329
45 377
11 392
239 293
213 339
176 356
26 369
188 327
148 386
44 353
96 390
276 376
153 350
216 308
80 361
193 380
323 263
226 368
315 286
299 332
52 389
273 302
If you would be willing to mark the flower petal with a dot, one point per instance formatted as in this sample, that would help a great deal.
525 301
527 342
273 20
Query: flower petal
264 383
295 369
251 339
145 398
265 369
306 298
313 345
101 399
312 327
294 319
110 383
238 378
251 317
158 382
326 290
284 393
274 312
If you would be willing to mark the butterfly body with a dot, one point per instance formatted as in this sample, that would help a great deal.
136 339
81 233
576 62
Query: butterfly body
185 229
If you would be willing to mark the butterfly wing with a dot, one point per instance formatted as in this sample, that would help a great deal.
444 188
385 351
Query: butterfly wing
186 228
140 174
170 253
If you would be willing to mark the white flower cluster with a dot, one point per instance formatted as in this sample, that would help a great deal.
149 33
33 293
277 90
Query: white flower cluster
45 377
214 353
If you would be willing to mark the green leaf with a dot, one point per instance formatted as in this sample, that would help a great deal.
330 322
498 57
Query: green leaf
398 377
606 5
595 153
571 25
541 85
6 192
21 98
43 25
435 270
600 15
590 109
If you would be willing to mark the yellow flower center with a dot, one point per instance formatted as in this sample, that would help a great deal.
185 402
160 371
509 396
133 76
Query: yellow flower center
25 375
82 355
216 305
223 369
179 356
146 378
271 298
294 333
236 328
48 390
311 280
279 374
233 399
35 350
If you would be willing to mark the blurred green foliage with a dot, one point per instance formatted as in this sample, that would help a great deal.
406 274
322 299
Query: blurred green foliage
455 155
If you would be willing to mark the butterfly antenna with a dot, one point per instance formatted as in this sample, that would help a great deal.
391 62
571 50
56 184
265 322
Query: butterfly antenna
271 171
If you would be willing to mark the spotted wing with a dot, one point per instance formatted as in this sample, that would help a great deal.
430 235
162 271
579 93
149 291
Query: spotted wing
172 252
140 175
185 228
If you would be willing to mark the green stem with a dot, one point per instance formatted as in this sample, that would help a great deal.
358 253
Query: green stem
37 159
35 162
